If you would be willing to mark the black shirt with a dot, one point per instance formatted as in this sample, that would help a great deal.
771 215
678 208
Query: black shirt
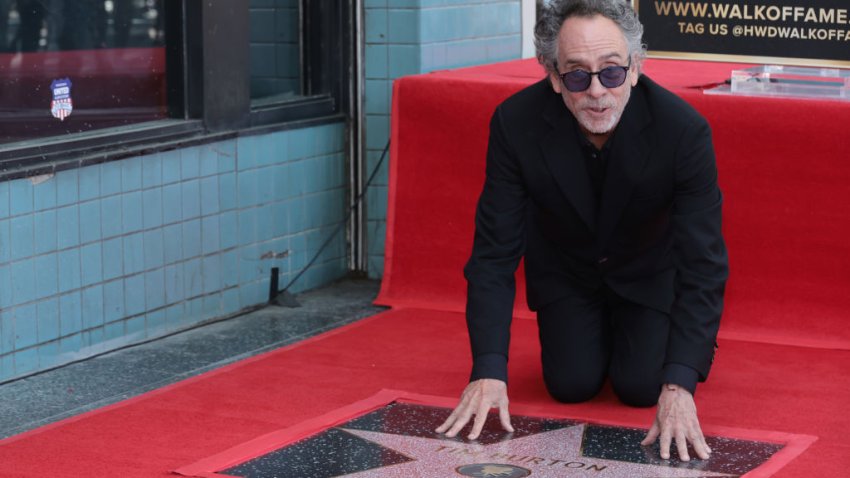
596 162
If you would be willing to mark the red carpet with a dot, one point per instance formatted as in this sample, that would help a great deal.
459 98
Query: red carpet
753 386
786 218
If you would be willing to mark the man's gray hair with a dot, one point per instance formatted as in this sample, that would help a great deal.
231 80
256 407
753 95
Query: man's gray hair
556 12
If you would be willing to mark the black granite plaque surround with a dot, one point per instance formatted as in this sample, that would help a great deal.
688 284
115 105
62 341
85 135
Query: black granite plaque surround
338 452
392 435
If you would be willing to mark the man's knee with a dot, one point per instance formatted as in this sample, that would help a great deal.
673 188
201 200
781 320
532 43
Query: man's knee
636 391
573 389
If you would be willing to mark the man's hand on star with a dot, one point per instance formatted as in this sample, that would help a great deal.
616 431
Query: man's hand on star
477 399
677 419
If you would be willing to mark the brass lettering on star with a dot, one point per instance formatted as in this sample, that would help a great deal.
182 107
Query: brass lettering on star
520 459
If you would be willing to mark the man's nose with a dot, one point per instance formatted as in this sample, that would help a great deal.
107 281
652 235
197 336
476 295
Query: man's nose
596 90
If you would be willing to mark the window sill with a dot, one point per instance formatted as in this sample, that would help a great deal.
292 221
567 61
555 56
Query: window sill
39 156
48 155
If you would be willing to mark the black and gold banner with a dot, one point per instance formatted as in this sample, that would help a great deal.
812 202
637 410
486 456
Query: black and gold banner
791 32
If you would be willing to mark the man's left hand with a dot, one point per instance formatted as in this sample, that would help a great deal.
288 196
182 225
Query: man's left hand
677 419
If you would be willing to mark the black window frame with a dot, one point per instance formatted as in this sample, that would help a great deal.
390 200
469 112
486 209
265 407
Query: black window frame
208 89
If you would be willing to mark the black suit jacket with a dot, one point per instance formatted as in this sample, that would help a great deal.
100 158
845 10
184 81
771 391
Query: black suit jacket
654 238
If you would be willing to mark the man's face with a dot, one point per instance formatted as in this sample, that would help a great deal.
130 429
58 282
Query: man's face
591 44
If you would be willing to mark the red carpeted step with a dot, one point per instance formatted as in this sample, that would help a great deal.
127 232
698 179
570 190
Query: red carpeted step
783 170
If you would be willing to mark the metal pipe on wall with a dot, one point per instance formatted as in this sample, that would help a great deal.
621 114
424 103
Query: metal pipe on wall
358 255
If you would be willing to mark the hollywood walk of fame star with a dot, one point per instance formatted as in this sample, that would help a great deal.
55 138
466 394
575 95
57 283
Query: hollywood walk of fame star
549 454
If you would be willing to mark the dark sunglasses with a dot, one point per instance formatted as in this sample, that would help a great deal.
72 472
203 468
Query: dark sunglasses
610 77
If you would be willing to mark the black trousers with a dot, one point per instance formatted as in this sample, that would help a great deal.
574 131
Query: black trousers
583 340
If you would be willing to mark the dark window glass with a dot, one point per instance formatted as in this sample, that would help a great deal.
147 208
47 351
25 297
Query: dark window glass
69 66
275 50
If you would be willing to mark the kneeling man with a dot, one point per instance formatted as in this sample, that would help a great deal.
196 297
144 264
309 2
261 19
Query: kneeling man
605 183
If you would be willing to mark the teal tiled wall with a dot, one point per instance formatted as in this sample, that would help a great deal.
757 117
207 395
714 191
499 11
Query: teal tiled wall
103 256
406 37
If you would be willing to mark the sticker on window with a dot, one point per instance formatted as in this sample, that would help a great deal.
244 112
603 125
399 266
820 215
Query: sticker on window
61 106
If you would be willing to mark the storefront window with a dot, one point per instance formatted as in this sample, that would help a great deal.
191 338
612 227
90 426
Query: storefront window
83 81
69 66
275 50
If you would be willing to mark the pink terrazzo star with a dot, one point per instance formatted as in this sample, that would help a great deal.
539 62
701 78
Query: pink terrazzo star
555 453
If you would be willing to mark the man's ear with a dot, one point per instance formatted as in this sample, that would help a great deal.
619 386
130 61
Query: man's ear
634 71
555 80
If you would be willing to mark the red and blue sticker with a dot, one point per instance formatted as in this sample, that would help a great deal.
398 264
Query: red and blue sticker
62 105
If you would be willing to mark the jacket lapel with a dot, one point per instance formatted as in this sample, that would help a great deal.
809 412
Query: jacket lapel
629 153
564 159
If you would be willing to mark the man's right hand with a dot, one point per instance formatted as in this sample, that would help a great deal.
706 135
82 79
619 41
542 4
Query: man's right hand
477 399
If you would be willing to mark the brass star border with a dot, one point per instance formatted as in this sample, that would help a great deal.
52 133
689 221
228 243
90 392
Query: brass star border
545 444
